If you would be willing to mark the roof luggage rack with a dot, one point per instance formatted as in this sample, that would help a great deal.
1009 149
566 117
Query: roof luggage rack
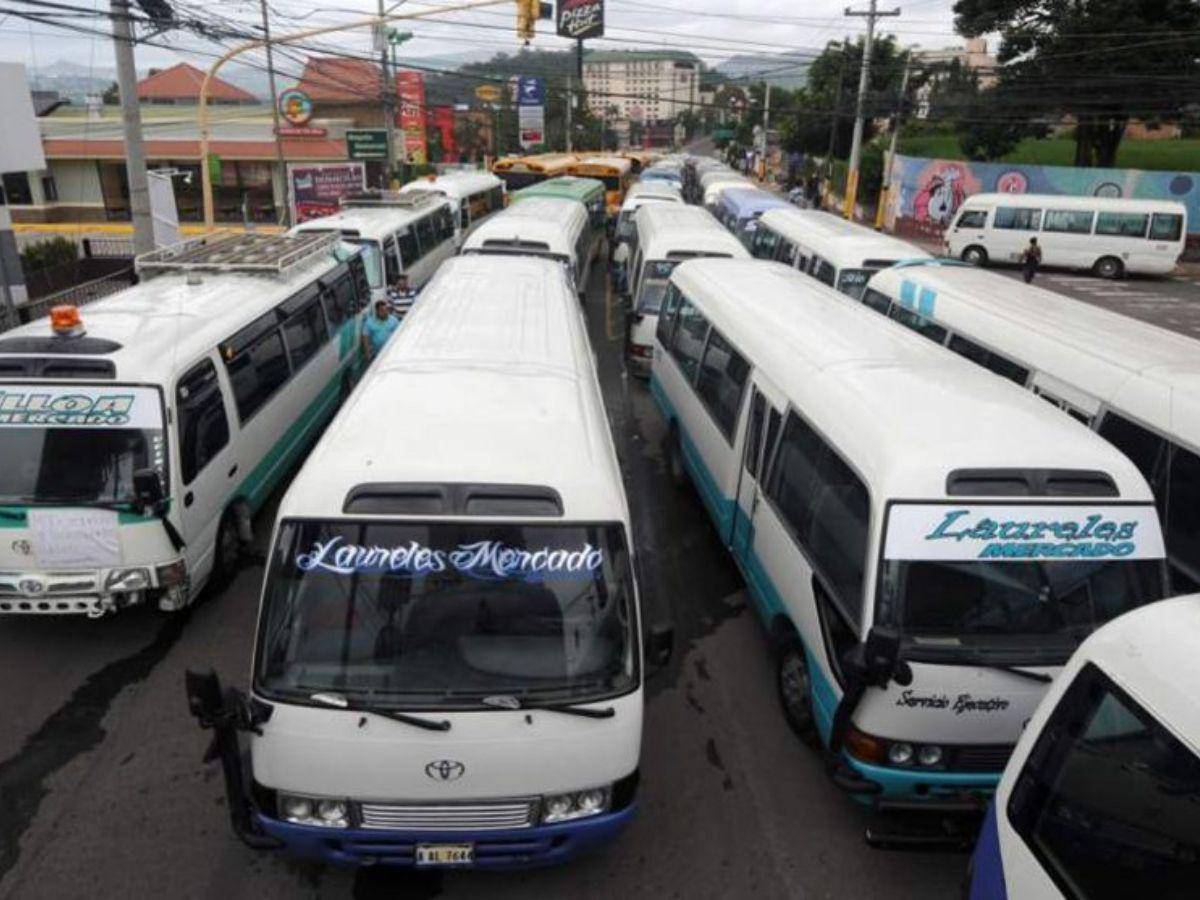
406 200
252 252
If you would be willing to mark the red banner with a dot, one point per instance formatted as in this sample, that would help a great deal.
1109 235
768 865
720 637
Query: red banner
441 118
410 86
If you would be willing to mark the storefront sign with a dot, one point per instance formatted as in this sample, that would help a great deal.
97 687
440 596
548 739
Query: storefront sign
314 190
531 111
1022 533
488 93
580 19
295 106
80 407
411 118
305 132
368 143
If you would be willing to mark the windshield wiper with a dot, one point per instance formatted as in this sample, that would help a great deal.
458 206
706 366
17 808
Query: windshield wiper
340 702
508 701
987 664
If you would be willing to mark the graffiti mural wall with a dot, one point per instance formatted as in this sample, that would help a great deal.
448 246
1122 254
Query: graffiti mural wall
931 190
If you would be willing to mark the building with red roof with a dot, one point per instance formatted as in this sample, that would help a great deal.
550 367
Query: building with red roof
180 86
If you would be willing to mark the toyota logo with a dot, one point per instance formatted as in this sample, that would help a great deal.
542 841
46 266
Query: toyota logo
31 587
445 770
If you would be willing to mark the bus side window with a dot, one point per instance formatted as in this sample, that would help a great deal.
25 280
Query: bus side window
257 364
427 232
877 301
340 299
1144 448
666 315
1166 227
774 421
203 427
823 271
391 264
993 362
361 285
304 328
971 218
1183 512
721 382
917 323
754 433
689 341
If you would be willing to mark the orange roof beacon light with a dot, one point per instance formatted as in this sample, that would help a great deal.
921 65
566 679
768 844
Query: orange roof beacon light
65 320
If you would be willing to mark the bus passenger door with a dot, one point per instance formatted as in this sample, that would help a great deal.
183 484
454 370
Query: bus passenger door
762 427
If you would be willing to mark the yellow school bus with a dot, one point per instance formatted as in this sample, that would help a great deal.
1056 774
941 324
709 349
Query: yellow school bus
615 171
521 171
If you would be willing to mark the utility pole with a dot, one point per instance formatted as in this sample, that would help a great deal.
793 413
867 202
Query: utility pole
388 96
891 157
864 77
568 120
766 123
835 114
279 160
131 119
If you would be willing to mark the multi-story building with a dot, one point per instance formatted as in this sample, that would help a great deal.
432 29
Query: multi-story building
641 86
972 56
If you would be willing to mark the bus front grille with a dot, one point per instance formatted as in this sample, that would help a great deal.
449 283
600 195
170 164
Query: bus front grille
980 757
495 816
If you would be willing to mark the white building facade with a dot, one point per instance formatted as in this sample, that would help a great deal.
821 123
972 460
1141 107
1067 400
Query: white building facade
648 86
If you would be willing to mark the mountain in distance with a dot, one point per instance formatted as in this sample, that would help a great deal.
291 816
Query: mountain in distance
783 71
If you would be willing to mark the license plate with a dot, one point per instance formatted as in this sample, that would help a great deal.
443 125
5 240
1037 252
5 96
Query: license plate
445 854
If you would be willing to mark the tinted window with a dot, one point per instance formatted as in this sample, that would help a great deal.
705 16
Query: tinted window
841 510
304 328
765 243
754 435
257 366
774 421
994 362
1107 798
1122 224
1183 512
341 301
793 475
409 251
1166 227
1068 221
877 301
666 315
427 233
919 324
823 270
1012 218
972 218
722 377
1144 448
203 428
391 266
786 252
689 339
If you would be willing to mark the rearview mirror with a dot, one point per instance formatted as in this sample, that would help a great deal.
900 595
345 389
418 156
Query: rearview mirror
147 488
877 660
660 644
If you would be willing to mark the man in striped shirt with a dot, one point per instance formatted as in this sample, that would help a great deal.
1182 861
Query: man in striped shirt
401 296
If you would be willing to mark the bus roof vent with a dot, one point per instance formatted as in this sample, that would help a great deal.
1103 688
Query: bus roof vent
250 253
424 499
406 200
1030 483
65 367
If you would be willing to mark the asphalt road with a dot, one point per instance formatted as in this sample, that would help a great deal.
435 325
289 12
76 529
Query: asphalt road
103 794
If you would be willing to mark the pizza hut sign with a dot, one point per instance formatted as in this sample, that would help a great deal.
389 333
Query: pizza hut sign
580 19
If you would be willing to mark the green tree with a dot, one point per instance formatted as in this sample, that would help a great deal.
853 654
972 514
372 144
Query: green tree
111 95
955 98
1100 63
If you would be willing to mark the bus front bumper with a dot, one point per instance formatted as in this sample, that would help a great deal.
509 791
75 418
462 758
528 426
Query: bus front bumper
516 848
901 790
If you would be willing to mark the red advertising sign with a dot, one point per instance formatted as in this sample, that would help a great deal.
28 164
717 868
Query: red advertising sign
441 118
410 86
314 190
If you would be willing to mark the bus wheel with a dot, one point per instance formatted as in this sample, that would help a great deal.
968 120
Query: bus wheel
795 689
227 553
674 456
975 255
1109 267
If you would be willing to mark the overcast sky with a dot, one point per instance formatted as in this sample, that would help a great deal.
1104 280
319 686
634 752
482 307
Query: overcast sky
714 29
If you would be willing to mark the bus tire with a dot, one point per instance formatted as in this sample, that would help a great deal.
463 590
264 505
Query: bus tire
974 255
795 688
227 551
1109 267
673 454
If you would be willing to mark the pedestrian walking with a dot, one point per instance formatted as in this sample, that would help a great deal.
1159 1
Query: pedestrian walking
1031 259
401 296
378 329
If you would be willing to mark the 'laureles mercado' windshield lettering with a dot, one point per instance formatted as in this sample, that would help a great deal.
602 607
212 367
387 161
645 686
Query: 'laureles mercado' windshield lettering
485 560
21 408
1093 536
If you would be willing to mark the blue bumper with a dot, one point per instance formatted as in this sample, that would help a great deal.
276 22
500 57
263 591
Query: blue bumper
915 789
516 848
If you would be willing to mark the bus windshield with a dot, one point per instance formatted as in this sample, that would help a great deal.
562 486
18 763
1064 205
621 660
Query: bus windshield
853 282
444 615
372 259
63 444
1018 583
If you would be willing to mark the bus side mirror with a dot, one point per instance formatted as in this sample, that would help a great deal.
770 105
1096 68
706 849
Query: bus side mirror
147 488
660 644
876 660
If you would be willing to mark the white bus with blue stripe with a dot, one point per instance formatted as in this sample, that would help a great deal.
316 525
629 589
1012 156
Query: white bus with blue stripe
140 435
925 544
1134 383
448 669
1100 797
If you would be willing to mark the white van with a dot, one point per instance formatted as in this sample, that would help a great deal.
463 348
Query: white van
137 439
666 234
448 668
838 253
399 233
714 184
1136 384
1099 798
474 196
1108 235
541 226
926 544
639 194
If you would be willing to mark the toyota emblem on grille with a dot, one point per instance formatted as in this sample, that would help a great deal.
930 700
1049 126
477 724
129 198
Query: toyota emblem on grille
31 587
445 770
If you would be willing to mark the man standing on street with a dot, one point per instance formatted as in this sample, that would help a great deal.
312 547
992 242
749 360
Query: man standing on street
377 329
1031 259
401 296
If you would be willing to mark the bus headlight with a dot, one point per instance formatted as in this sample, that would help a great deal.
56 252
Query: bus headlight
574 805
325 813
930 755
900 754
127 580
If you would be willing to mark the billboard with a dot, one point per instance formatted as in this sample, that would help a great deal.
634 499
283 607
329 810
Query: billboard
580 19
315 189
531 111
410 86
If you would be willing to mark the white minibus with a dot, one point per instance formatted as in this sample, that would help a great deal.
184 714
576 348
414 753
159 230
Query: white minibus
1108 235
838 253
714 184
1099 799
641 193
474 196
1136 384
448 669
553 227
665 235
925 543
139 437
410 234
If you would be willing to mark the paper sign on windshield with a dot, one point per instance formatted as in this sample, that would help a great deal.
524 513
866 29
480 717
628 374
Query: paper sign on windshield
1022 533
79 406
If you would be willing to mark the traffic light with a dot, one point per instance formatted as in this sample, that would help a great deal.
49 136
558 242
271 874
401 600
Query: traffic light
528 13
